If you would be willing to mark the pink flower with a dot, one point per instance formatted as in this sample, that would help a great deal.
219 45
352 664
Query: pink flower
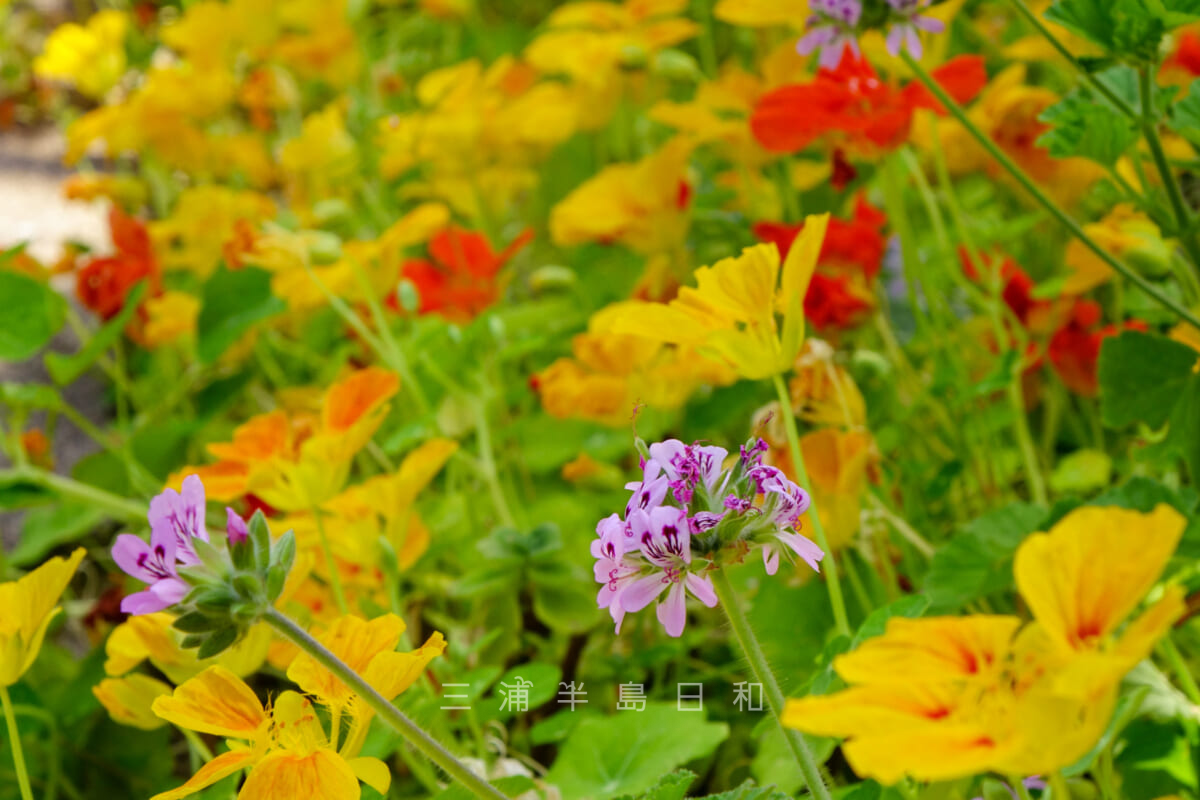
664 538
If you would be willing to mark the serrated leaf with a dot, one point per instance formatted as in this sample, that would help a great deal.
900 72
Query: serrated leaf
672 786
1124 28
30 314
1081 127
627 753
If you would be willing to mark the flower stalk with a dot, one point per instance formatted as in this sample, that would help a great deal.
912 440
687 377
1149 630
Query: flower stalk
832 582
14 736
753 652
394 717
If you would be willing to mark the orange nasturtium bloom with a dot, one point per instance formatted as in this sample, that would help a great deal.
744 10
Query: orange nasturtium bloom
30 604
295 462
285 747
731 314
946 697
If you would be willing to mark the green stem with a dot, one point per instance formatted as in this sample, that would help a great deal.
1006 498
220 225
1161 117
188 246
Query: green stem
394 717
1027 183
397 360
335 580
1092 80
118 507
831 571
762 671
1183 217
15 736
1033 472
1018 785
1058 786
1180 667
487 463
707 45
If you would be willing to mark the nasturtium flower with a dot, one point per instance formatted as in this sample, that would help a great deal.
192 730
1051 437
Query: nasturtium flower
103 283
849 105
30 603
151 638
643 205
295 462
1125 233
731 314
822 392
203 219
947 697
128 699
89 57
170 316
286 748
1074 348
322 162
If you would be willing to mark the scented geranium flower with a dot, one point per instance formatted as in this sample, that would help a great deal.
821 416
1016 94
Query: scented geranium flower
907 23
850 105
690 501
832 29
947 697
176 518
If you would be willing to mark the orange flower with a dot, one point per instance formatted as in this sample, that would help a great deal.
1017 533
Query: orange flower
103 283
852 106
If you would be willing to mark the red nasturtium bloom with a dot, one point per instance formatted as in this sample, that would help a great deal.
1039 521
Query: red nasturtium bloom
840 294
102 284
1075 347
855 107
458 280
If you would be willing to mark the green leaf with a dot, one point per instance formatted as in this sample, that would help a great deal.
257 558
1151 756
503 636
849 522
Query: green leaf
1184 116
1082 127
673 786
1185 427
1124 28
627 753
65 369
1142 376
978 561
544 677
1155 761
233 301
46 528
748 791
30 314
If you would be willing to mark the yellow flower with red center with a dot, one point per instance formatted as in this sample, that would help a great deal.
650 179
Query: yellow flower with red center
286 748
946 697
297 462
643 205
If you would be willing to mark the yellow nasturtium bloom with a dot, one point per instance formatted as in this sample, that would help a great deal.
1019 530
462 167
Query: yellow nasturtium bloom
286 747
1127 234
129 699
91 58
29 604
947 697
731 314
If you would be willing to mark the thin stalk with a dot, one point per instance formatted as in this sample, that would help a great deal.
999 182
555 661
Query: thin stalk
1055 210
831 571
487 463
397 361
1091 79
14 736
392 716
1183 217
118 507
753 652
335 580
1018 786
707 44
1180 667
1058 786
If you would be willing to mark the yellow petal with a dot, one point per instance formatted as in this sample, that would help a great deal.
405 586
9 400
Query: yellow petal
219 768
321 775
1140 636
1083 578
935 648
372 772
29 605
871 710
215 701
356 642
129 699
934 753
392 673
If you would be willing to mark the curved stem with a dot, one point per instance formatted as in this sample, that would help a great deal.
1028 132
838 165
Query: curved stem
118 507
394 717
762 671
1027 183
1092 80
335 580
14 736
1180 667
831 571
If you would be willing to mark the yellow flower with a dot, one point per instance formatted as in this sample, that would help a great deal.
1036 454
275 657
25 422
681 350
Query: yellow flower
1125 233
822 392
150 637
946 697
286 748
29 606
92 58
322 161
172 315
837 464
761 13
297 462
643 205
128 700
731 314
203 219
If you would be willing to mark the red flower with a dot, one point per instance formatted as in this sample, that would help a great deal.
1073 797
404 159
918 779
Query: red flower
1186 56
851 257
102 284
851 101
1018 287
1075 348
458 279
